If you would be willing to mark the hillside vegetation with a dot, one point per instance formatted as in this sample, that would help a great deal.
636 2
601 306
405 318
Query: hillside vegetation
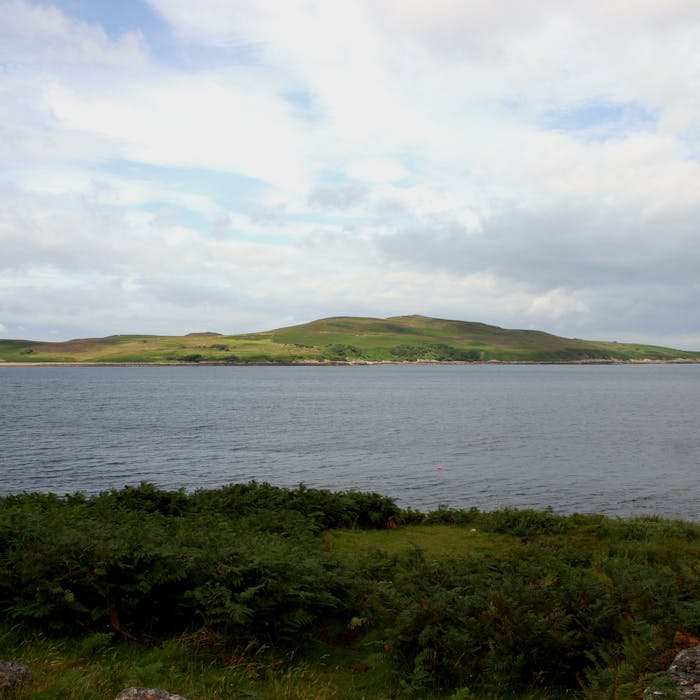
344 339
258 592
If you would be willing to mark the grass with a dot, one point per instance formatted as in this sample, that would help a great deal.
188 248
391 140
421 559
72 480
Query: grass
203 666
255 591
341 339
198 666
437 541
100 666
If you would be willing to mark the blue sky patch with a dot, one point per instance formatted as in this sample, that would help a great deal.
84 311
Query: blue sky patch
116 17
228 190
601 119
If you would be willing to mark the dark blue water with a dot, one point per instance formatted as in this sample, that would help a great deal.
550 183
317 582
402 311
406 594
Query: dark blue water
620 440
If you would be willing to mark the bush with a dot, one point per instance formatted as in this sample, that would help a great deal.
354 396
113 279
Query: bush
520 623
341 353
554 602
321 508
546 614
192 357
245 558
142 572
439 352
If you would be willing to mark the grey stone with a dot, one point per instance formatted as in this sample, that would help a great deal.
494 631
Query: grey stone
13 674
147 694
685 673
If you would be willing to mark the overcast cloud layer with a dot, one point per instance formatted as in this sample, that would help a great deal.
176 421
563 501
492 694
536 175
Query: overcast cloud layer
168 166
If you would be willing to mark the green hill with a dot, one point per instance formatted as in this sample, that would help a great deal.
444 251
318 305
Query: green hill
344 339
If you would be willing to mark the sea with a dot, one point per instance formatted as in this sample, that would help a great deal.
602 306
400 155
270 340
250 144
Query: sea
622 440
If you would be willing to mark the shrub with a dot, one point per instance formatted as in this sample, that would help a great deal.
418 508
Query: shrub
245 558
192 357
586 599
144 572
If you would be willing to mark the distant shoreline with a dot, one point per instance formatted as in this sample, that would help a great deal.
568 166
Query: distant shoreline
330 363
341 341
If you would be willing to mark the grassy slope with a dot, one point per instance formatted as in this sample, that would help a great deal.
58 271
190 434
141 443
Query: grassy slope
358 339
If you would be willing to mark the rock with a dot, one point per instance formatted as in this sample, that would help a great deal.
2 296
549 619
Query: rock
147 694
13 674
685 673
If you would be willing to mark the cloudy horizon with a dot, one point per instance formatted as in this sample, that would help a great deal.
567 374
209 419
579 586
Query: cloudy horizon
169 167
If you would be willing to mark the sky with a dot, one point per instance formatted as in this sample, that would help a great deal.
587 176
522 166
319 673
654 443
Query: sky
169 166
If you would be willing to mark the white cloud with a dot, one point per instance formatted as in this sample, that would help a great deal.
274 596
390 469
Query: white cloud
376 170
499 161
555 304
194 122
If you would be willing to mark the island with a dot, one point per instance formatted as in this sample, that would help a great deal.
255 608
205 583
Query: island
344 340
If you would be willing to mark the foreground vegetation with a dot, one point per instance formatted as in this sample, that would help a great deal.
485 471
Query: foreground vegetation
345 339
253 591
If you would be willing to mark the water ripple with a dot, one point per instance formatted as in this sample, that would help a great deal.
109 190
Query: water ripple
618 440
